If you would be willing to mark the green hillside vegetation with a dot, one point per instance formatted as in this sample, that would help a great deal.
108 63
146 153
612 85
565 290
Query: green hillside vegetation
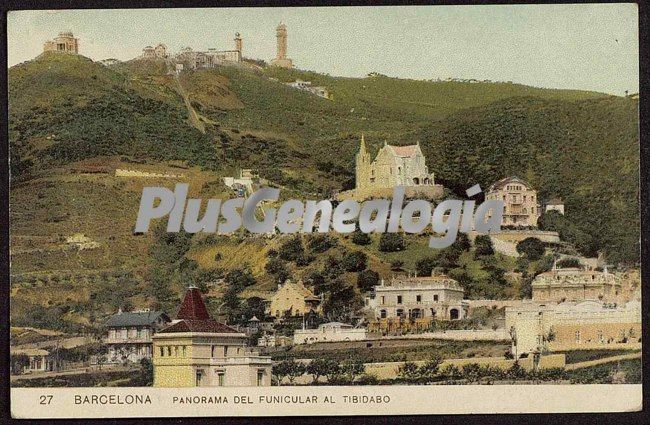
73 121
586 152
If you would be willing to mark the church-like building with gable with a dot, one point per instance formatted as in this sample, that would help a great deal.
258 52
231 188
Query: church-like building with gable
393 166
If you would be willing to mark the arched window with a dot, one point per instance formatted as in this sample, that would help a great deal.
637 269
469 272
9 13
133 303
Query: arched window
382 314
454 314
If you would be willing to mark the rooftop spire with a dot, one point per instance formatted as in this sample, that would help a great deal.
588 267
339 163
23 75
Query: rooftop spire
193 307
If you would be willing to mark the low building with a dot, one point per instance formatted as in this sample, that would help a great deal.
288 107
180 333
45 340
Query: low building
306 86
65 42
536 328
293 299
129 334
244 179
39 360
576 284
555 204
198 351
520 201
435 297
329 332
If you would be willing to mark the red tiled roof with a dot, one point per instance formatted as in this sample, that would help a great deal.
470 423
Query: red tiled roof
208 325
193 307
405 150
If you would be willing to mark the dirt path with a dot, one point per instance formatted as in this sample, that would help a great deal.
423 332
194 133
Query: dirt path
193 116
605 360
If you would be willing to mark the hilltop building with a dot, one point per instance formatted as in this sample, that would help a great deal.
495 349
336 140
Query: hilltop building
293 299
129 334
197 351
329 332
576 284
393 166
281 59
158 52
433 297
536 328
65 42
520 199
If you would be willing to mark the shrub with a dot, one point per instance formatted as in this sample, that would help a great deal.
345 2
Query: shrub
367 279
391 242
396 265
424 266
532 248
291 249
354 261
483 246
361 238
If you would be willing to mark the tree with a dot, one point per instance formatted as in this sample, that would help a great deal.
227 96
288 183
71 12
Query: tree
322 367
354 261
396 265
320 243
483 246
408 370
291 249
532 248
424 266
288 368
391 242
278 269
431 367
367 279
361 238
461 243
240 278
568 231
350 369
144 378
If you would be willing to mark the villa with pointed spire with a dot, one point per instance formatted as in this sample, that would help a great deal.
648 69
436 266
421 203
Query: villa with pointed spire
198 351
393 166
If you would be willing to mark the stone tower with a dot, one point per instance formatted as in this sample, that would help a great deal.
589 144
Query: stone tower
281 34
238 43
281 59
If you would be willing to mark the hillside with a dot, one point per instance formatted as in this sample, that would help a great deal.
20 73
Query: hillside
74 121
585 151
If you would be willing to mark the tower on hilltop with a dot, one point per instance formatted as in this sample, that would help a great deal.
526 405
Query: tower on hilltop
238 43
281 59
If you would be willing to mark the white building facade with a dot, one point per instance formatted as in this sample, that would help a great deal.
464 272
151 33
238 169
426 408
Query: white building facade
437 297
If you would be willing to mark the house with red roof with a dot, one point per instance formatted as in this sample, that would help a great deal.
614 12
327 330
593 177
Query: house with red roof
196 350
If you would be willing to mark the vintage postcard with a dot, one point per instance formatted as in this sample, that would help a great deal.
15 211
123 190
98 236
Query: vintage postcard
324 211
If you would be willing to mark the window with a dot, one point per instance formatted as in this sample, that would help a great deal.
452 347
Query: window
418 299
383 300
221 379
184 351
435 298
169 351
162 351
225 351
260 378
199 377
175 350
399 299
382 314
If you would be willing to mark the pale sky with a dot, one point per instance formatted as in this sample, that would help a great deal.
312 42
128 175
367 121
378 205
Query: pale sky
589 46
